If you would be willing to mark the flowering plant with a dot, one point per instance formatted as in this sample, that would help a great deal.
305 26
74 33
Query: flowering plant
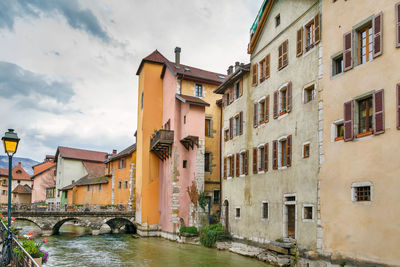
33 248
14 230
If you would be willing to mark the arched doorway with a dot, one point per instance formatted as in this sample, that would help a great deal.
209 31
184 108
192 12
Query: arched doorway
226 210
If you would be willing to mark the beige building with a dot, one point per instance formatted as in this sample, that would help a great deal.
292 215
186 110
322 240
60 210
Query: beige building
270 123
360 172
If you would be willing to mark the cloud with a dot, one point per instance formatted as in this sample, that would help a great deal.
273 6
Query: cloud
77 17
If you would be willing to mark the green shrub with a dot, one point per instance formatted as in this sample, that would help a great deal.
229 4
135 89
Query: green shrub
189 230
210 234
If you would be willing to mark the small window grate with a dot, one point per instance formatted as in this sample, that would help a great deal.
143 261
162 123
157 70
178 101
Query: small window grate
363 193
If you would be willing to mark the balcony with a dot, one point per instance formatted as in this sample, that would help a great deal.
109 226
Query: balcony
189 142
161 143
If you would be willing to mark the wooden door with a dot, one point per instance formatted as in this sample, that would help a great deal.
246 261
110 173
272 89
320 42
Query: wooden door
227 217
291 213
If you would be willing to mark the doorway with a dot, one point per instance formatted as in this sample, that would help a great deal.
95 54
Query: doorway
291 221
226 207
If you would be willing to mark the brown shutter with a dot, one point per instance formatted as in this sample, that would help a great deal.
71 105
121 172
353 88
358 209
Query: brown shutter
348 51
231 95
289 97
398 105
225 167
378 32
255 122
275 154
241 123
232 166
266 157
379 115
276 94
267 66
254 160
317 28
285 58
289 151
299 43
348 120
241 87
230 128
246 162
266 111
397 12
254 74
237 164
280 56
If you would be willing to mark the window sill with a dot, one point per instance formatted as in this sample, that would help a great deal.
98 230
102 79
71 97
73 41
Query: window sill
229 177
282 168
282 113
364 134
283 116
339 138
308 220
264 219
260 172
242 175
281 68
237 218
306 157
362 202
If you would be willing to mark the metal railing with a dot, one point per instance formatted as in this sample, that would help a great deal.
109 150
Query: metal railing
25 258
68 208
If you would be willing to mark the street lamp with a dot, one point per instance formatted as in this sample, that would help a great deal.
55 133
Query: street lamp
10 141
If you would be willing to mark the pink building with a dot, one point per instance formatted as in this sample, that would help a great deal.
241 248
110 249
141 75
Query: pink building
44 181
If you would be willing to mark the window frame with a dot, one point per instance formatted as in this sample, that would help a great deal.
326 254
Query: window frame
261 110
309 30
312 213
282 55
306 92
262 210
361 184
198 86
219 196
306 145
237 208
280 154
367 26
334 130
242 155
260 158
229 175
358 119
209 162
335 58
208 127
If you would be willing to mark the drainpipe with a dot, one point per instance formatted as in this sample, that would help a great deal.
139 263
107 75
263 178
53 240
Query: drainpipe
220 156
112 186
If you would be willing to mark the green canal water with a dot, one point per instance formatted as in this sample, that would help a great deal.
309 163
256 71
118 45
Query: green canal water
74 248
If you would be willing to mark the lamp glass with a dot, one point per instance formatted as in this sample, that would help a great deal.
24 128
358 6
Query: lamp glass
10 146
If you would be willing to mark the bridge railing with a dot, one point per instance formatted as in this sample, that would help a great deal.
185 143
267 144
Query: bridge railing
69 208
25 258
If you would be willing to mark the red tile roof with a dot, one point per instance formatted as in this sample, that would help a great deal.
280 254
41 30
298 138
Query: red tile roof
95 169
155 57
18 173
3 172
22 189
192 100
42 166
124 153
81 154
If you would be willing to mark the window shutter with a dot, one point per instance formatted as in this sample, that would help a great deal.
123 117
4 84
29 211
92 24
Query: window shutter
267 66
397 11
246 162
255 122
348 51
225 167
254 160
241 87
232 166
280 56
289 151
299 43
275 154
289 97
231 95
348 120
230 128
317 28
266 157
266 111
378 32
241 123
398 105
237 164
379 115
276 94
285 58
254 74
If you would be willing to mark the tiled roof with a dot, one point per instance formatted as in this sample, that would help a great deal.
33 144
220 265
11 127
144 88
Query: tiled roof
22 189
192 100
236 75
18 173
42 166
189 72
81 154
45 170
3 172
94 169
155 57
87 181
126 152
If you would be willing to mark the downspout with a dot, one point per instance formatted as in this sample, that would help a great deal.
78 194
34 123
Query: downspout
220 155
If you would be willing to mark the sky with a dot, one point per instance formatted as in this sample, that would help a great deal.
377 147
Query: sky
68 67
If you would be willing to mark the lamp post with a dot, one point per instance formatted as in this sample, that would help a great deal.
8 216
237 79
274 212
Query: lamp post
10 141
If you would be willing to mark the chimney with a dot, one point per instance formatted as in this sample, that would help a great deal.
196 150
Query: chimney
114 152
230 70
19 164
177 56
237 65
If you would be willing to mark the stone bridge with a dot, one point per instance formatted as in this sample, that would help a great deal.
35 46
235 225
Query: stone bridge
50 222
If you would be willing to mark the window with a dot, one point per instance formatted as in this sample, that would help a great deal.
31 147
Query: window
141 100
309 94
283 59
365 115
50 192
119 184
19 181
237 90
262 70
126 184
277 20
227 99
308 213
361 192
242 162
310 37
260 158
208 127
207 163
265 210
254 74
226 133
237 213
216 196
66 194
230 166
184 119
365 44
261 111
185 164
337 65
122 163
339 131
199 90
88 188
306 150
236 126
283 147
99 187
283 101
282 152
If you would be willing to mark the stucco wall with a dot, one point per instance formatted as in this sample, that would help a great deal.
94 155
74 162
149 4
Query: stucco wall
41 182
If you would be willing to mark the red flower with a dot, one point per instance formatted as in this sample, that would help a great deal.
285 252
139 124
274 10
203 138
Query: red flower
44 240
30 233
13 219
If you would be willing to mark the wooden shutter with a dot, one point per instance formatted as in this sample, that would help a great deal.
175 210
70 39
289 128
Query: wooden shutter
237 164
289 151
241 87
276 94
266 157
230 128
397 12
254 74
254 160
246 162
267 66
266 111
289 97
379 115
280 56
255 122
231 95
317 28
348 51
348 120
275 154
299 43
232 166
398 105
241 123
285 56
225 167
378 32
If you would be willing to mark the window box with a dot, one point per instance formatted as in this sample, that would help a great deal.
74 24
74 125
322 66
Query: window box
339 138
360 135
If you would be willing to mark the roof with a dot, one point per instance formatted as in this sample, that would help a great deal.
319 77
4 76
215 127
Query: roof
126 152
94 169
18 173
22 189
42 166
4 172
236 75
258 24
43 171
81 154
154 57
192 100
87 181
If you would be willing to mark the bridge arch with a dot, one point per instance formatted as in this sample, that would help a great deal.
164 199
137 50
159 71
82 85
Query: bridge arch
30 220
117 223
57 226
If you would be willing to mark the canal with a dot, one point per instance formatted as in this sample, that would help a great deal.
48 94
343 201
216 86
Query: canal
73 247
